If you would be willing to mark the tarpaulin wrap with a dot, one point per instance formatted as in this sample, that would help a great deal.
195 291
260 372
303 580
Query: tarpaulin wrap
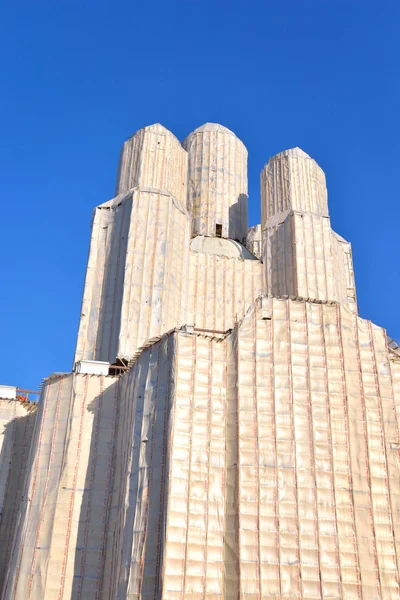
317 483
292 180
261 464
59 546
142 279
220 290
344 271
194 545
217 184
254 240
136 275
302 256
311 476
92 524
17 421
153 157
136 540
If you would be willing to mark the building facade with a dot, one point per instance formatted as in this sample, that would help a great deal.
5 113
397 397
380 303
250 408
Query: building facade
231 425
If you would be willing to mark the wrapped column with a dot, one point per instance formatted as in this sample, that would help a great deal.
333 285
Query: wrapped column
139 249
17 422
153 157
217 189
292 180
302 256
136 276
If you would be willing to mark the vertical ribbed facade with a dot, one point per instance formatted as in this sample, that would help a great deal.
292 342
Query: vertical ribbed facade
135 285
254 240
217 183
220 290
17 422
298 258
59 545
344 270
154 296
292 180
250 450
194 556
302 256
263 463
135 279
316 486
153 157
135 544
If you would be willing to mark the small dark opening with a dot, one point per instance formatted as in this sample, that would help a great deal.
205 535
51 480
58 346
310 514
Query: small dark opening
218 230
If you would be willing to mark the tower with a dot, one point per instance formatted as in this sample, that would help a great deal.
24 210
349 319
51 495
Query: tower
217 188
302 255
138 259
153 157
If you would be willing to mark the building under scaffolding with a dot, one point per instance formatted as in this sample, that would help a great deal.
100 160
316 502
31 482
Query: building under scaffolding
231 425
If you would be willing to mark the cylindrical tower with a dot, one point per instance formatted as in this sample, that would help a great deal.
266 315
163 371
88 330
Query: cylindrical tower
292 180
153 157
217 191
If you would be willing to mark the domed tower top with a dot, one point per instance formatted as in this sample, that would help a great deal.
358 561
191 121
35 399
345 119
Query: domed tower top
153 157
292 180
217 187
212 127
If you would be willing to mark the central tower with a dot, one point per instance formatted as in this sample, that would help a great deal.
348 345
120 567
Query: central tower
217 187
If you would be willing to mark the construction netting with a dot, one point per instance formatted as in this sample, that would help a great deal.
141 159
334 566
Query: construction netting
302 256
135 279
260 464
17 421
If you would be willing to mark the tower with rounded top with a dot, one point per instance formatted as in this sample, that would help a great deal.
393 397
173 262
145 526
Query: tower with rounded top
217 183
137 269
302 256
292 180
153 157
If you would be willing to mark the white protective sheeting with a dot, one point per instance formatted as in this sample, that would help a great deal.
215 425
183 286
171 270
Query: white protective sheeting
251 448
136 274
135 544
59 546
220 247
317 481
292 180
153 157
17 420
310 477
220 290
344 271
217 184
254 240
302 256
261 464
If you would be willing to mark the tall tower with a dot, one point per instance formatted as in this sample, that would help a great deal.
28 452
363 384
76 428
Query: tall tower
224 278
302 255
153 157
138 258
217 188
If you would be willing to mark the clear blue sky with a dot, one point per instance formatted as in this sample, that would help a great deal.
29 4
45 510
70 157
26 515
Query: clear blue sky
79 77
